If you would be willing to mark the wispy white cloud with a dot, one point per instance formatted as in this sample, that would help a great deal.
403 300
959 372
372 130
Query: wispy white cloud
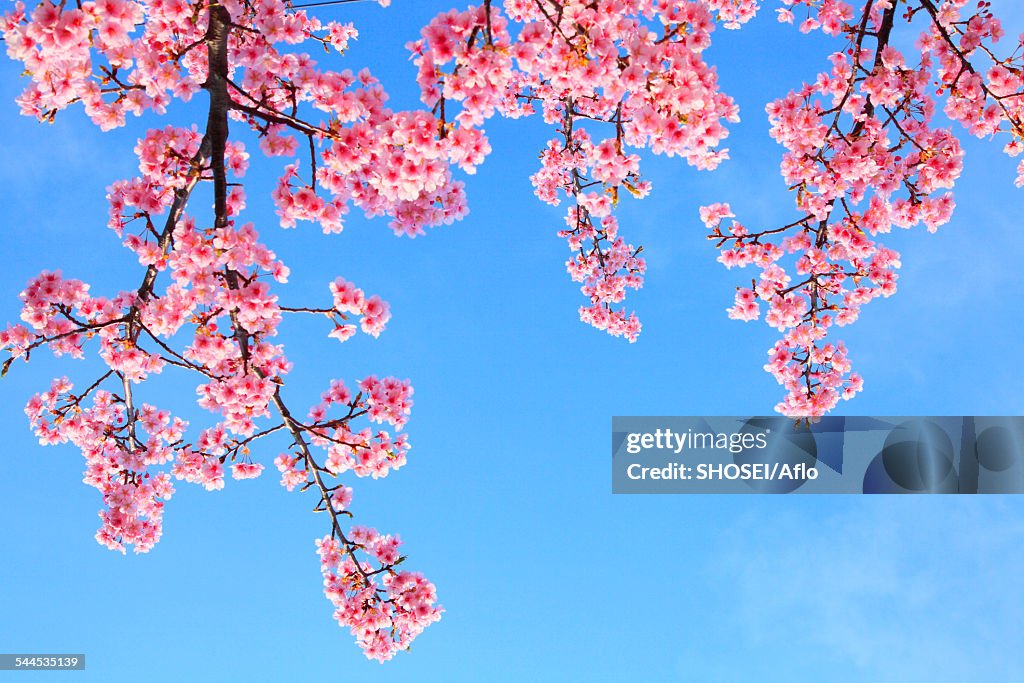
914 589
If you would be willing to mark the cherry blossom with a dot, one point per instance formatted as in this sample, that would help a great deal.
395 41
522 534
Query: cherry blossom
865 150
864 153
608 76
208 302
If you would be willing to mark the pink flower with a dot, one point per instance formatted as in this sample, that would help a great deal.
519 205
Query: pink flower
242 470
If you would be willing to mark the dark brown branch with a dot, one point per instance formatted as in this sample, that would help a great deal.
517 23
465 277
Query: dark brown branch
217 123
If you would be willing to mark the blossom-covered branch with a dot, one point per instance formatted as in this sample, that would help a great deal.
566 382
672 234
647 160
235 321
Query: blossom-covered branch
609 76
206 303
863 154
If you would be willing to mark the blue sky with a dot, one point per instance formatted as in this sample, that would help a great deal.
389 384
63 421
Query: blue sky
505 503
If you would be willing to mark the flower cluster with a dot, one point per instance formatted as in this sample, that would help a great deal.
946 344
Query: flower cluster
863 154
384 608
121 445
609 75
350 299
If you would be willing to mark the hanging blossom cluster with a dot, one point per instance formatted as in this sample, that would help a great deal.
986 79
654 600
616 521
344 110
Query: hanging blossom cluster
863 154
208 299
610 76
351 586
